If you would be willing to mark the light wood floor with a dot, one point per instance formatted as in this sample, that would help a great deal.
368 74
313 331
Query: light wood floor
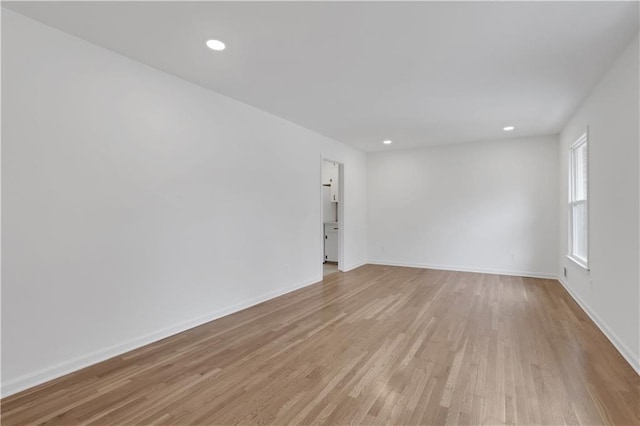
329 268
375 345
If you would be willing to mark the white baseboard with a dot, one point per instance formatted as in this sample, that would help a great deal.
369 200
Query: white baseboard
465 269
354 266
33 379
53 372
624 350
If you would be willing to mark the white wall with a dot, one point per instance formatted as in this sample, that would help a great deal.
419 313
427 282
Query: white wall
610 291
129 201
136 204
483 206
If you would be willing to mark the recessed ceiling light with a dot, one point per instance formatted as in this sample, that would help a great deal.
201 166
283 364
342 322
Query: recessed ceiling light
387 142
508 128
215 45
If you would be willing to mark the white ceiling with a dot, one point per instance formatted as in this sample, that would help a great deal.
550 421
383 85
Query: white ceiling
360 72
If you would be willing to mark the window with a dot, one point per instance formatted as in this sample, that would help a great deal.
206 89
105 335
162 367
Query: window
578 198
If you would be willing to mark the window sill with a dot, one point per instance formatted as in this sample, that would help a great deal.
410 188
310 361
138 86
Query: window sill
579 262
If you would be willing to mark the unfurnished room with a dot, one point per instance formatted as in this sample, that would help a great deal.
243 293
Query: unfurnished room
320 212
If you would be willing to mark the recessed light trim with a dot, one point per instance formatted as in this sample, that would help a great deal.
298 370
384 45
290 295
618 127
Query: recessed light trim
387 142
215 45
508 128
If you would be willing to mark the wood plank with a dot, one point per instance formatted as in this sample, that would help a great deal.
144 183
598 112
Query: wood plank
376 345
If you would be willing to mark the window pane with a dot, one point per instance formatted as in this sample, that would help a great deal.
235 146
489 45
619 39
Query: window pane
580 173
578 194
580 230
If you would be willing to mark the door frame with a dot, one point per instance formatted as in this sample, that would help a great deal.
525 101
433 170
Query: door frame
340 212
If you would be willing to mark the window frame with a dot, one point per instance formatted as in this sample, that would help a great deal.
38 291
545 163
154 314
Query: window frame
573 202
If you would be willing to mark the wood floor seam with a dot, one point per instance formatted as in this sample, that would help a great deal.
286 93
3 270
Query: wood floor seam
375 345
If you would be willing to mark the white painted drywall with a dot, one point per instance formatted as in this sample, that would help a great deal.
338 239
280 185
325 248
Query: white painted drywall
610 291
136 205
485 206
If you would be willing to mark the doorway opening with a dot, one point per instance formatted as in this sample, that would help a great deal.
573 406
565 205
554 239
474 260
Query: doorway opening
332 223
